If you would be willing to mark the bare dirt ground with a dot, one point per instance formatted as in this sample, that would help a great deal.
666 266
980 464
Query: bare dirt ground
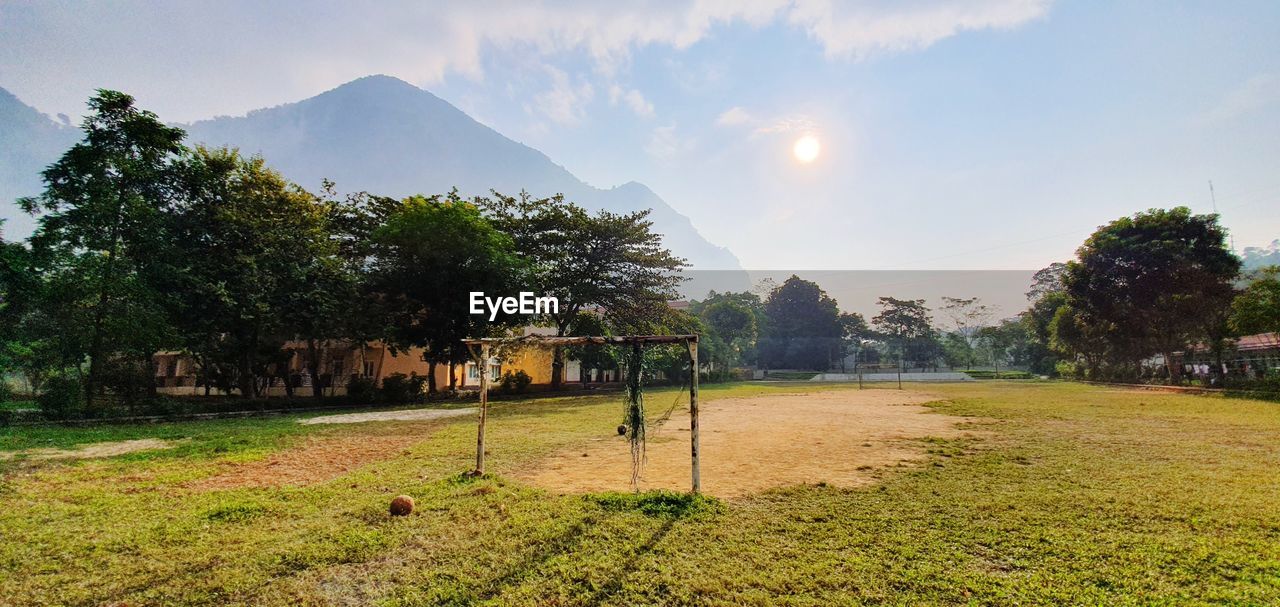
95 449
316 460
753 444
408 415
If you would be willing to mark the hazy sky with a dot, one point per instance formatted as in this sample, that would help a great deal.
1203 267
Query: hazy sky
979 134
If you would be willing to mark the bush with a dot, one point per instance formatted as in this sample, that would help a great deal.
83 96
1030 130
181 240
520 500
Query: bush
399 388
515 383
361 389
128 380
6 391
62 398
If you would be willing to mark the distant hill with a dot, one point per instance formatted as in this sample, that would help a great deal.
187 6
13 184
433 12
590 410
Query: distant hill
1261 257
29 141
378 134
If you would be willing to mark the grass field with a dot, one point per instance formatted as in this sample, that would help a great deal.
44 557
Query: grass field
1072 495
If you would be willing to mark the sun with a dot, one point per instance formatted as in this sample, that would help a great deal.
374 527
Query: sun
807 149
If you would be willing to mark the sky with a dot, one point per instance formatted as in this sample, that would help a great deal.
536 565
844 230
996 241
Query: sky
976 134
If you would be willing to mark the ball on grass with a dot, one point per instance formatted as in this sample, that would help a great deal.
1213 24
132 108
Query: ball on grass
622 429
402 505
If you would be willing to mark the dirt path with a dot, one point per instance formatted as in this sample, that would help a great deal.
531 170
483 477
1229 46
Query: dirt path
406 415
753 444
94 450
316 460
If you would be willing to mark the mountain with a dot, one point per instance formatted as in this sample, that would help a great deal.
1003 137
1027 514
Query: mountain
29 141
386 136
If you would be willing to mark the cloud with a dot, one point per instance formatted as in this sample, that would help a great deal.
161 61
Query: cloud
52 53
858 29
1255 93
565 102
632 98
798 123
734 116
665 144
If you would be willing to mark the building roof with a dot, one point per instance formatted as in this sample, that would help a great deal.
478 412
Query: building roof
1261 341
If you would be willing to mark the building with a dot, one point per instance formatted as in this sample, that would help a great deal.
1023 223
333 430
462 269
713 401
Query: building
1250 357
179 374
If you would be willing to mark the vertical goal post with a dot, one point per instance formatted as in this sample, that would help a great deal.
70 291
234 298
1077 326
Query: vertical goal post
482 349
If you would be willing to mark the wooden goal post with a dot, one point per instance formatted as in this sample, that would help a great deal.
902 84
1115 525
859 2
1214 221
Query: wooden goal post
482 348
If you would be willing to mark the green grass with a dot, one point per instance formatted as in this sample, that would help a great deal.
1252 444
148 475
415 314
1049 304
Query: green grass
1072 495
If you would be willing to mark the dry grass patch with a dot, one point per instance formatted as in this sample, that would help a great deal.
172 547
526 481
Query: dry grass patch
749 445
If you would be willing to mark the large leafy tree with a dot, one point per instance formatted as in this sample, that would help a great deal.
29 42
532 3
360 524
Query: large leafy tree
907 325
1257 308
614 264
804 330
734 325
1153 280
103 237
258 264
430 255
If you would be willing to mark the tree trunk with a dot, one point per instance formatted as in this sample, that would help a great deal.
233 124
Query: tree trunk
152 392
1174 368
247 385
453 376
431 377
557 367
313 368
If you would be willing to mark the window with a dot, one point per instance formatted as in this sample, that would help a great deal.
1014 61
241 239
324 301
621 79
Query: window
368 368
495 371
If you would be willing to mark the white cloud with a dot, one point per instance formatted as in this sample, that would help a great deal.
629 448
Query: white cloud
632 98
53 54
858 29
1257 92
734 116
565 102
798 123
665 144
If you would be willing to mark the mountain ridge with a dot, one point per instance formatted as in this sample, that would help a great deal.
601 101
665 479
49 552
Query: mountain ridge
378 134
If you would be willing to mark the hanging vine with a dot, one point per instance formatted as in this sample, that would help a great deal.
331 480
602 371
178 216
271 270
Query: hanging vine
634 416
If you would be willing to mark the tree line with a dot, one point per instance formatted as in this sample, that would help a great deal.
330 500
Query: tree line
145 243
1142 292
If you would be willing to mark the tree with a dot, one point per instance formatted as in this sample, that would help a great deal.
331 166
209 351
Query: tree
611 263
431 254
591 358
733 325
804 329
1152 279
1257 308
908 327
1047 294
746 350
1047 280
969 317
103 230
256 257
854 333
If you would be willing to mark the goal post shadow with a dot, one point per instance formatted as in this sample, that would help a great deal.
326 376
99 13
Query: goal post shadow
482 348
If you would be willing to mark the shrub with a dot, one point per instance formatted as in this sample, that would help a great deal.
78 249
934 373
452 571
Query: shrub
128 380
515 383
6 391
361 389
62 398
399 388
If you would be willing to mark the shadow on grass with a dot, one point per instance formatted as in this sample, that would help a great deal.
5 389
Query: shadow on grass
615 585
